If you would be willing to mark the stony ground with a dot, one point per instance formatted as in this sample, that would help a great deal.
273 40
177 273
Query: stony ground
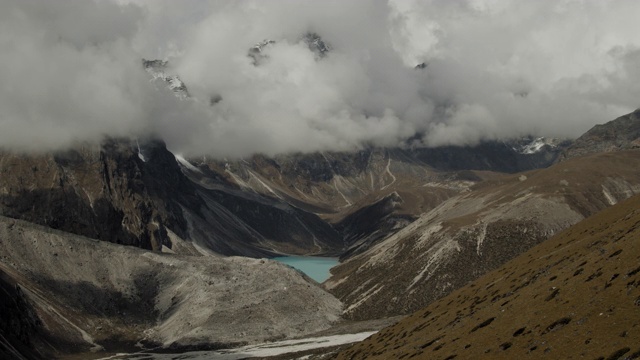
100 296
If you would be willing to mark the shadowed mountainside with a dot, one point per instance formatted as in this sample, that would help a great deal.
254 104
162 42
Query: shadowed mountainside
19 324
575 295
136 195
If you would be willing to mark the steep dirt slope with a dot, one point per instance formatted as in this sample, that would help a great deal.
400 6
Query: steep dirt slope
93 294
477 231
577 295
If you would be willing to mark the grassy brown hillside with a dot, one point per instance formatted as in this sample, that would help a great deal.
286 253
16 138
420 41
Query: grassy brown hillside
577 295
477 231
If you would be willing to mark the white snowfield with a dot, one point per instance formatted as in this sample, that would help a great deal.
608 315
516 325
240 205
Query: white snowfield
260 350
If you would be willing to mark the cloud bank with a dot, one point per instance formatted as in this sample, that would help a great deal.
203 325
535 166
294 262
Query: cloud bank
70 70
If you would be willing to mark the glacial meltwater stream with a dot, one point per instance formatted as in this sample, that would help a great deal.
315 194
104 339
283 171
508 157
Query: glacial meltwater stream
315 267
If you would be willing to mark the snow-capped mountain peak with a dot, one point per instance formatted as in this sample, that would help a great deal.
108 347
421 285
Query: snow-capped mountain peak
313 41
535 145
256 52
316 44
157 69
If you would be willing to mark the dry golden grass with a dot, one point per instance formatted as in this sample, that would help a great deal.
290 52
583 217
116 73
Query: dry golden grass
577 295
478 231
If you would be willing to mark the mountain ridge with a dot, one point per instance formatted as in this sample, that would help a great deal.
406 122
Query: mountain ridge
576 294
476 231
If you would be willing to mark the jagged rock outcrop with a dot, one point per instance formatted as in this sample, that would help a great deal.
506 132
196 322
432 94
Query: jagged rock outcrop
136 194
104 192
158 70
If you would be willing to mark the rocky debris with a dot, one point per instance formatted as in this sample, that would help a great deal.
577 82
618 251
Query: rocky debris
313 41
477 231
90 293
622 133
575 295
337 184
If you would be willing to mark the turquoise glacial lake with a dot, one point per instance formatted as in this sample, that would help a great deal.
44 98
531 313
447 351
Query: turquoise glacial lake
315 267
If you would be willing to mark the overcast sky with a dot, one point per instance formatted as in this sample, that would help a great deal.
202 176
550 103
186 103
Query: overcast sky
71 71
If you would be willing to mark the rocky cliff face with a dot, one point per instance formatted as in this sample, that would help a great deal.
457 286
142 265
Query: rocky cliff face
104 192
136 194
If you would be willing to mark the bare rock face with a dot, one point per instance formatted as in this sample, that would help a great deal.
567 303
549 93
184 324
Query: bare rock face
474 232
137 194
622 133
96 191
371 224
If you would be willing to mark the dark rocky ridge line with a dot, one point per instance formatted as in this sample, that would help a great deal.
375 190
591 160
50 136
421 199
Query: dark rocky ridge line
622 133
19 324
109 192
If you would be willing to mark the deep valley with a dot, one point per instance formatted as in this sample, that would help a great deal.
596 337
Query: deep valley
280 180
125 248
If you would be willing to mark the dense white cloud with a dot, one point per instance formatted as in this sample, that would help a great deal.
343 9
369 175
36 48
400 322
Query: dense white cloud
496 68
